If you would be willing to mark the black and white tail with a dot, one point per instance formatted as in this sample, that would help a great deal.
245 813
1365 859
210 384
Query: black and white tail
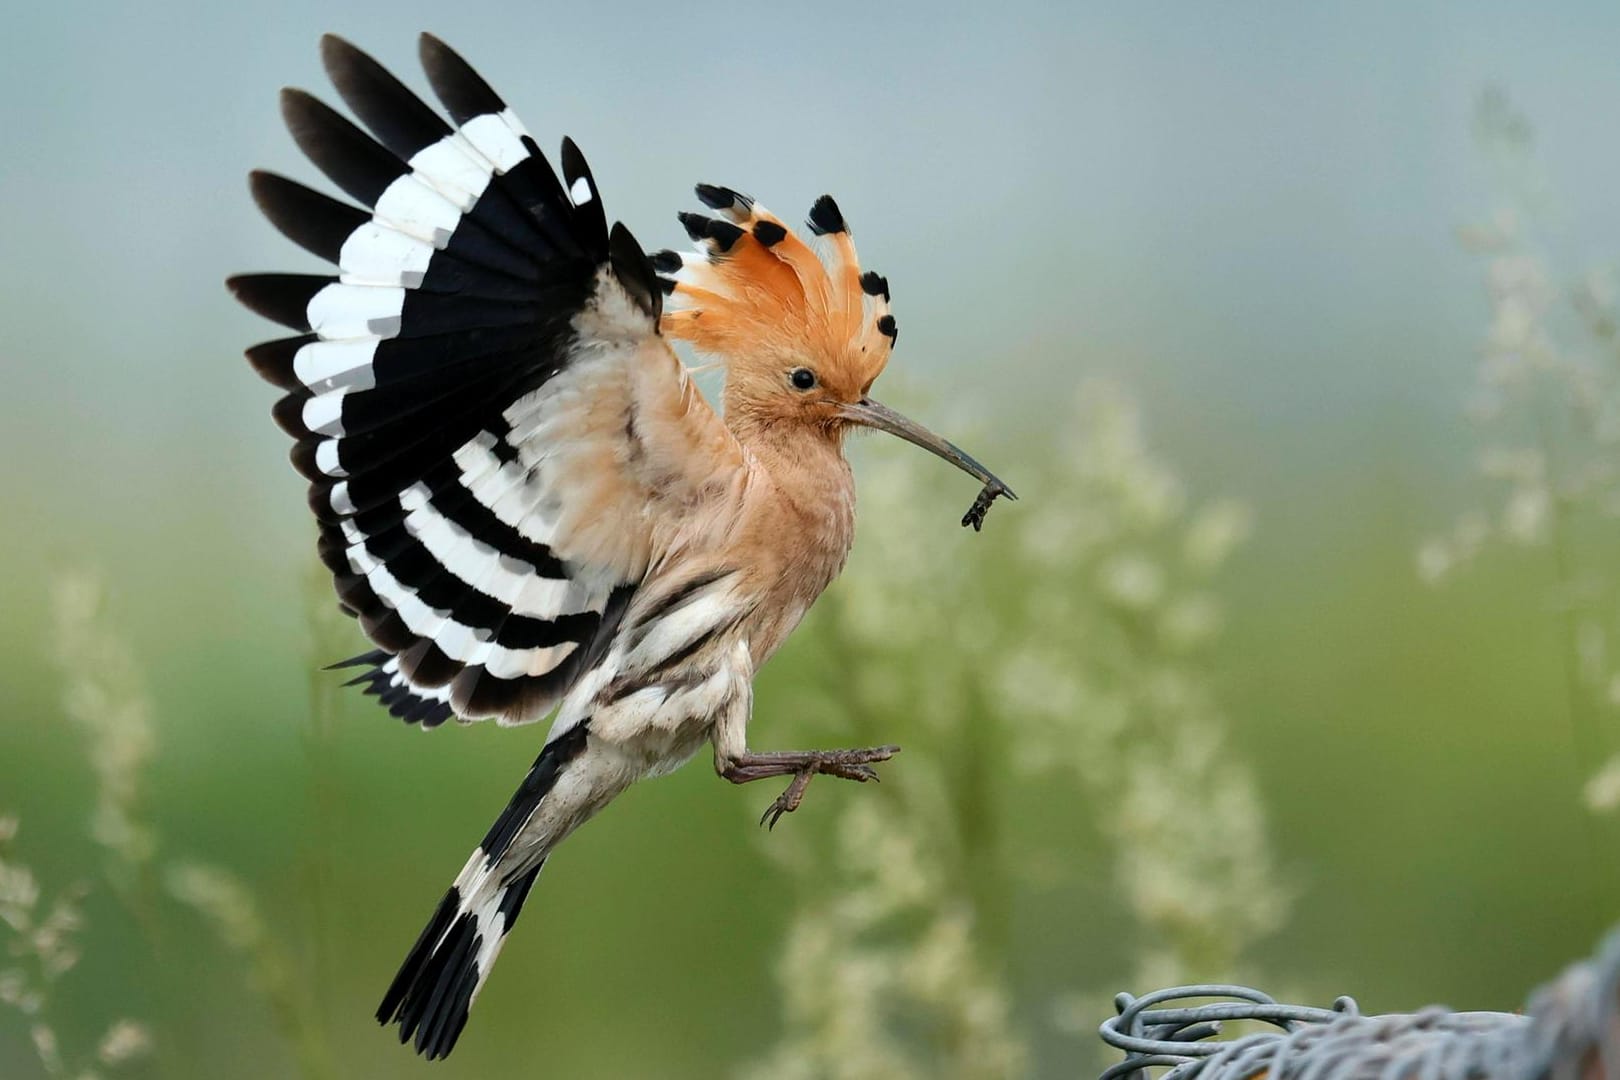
440 978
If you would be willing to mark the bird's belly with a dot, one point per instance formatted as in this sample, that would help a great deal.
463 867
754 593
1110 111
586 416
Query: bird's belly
645 730
659 727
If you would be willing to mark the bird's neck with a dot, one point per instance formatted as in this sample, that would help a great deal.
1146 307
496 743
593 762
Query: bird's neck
805 460
802 520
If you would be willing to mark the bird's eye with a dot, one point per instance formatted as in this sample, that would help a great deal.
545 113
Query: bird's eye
802 378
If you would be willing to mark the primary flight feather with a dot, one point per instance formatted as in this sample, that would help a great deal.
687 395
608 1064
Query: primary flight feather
523 498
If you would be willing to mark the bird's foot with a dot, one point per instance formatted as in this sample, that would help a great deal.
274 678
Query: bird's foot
802 765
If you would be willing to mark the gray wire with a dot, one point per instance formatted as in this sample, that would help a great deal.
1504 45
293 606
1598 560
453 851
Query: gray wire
1571 1031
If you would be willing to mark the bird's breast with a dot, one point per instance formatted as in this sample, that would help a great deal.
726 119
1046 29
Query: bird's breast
737 572
801 541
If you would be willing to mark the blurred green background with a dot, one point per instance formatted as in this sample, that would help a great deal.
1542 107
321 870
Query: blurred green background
1248 219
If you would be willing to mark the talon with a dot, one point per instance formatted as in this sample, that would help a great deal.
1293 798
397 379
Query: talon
789 800
803 766
773 813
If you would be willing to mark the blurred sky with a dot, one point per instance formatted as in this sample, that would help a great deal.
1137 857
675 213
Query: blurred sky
1247 211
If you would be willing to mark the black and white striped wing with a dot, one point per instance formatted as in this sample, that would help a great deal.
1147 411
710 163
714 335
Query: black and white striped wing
459 391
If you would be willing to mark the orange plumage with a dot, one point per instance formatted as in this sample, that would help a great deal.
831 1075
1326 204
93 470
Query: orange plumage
759 298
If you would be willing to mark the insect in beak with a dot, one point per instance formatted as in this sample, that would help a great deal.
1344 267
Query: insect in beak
873 414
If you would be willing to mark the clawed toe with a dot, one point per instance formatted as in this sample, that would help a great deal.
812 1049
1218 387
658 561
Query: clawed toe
788 801
845 764
862 757
773 813
855 764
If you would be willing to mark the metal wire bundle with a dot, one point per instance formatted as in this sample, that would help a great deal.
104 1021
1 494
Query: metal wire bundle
1571 1031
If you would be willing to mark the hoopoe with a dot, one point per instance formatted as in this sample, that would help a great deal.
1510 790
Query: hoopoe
522 496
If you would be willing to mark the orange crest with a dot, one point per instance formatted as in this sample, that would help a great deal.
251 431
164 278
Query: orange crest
757 296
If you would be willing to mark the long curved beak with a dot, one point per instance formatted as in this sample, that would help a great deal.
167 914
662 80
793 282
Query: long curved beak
873 414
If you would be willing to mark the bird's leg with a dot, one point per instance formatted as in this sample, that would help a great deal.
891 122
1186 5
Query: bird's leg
748 766
734 761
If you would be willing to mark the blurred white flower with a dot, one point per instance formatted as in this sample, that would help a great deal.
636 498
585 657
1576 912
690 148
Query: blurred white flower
1434 560
1513 326
1189 622
45 1045
1217 530
1555 381
14 989
124 1042
1524 518
19 892
1132 581
1603 789
223 899
106 700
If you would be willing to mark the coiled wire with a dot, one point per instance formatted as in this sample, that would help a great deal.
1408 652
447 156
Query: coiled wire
1570 1031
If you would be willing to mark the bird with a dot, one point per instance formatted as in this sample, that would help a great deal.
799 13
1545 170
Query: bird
520 492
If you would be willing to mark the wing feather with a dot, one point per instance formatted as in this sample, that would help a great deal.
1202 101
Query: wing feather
489 420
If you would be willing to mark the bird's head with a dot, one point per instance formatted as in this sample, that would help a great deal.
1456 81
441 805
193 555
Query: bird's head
802 331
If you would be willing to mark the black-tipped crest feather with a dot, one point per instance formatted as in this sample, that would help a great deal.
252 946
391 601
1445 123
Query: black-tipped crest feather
769 233
875 284
725 199
825 217
696 225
